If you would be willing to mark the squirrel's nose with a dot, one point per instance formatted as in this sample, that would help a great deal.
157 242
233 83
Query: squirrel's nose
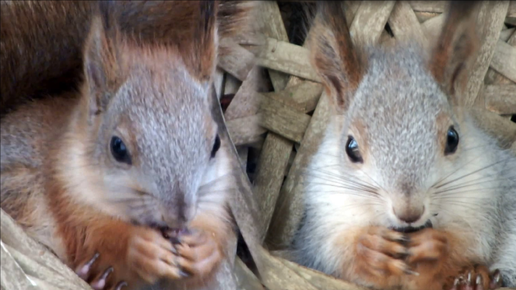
410 215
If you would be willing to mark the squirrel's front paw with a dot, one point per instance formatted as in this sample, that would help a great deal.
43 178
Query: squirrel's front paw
198 252
153 257
427 247
476 278
97 280
380 254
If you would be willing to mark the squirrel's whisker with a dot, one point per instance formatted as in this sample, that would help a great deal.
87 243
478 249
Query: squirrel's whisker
471 173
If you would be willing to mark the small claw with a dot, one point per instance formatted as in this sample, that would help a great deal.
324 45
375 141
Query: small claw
401 256
479 283
456 283
184 274
469 279
120 285
479 279
496 281
175 240
101 283
404 239
410 272
462 280
85 270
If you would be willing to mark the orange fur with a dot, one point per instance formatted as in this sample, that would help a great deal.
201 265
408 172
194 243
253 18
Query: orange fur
382 262
41 50
457 44
333 54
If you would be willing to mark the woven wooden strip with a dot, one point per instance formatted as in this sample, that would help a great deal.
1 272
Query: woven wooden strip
405 25
504 60
500 98
489 25
369 22
245 103
283 120
287 58
302 97
270 173
236 60
273 27
492 76
246 278
246 130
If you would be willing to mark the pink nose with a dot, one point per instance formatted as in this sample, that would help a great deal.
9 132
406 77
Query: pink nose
409 215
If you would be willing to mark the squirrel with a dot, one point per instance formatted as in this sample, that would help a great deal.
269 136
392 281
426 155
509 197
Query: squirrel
98 175
41 42
405 191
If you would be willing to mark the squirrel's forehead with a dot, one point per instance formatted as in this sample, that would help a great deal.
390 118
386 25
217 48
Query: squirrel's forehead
170 120
399 112
174 97
397 91
398 108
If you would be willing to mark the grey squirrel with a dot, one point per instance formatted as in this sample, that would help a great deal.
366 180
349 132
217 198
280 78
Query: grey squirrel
103 172
405 191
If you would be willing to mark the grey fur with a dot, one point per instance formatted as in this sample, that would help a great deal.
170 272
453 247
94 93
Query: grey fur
397 104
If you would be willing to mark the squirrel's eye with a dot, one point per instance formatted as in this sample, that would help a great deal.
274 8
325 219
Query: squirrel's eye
353 151
452 141
216 146
119 150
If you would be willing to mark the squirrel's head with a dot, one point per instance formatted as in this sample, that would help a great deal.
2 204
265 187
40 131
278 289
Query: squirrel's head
397 133
150 133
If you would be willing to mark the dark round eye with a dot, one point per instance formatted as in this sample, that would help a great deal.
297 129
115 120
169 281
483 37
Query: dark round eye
119 150
452 141
353 151
216 146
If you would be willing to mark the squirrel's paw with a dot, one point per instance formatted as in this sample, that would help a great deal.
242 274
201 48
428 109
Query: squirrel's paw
380 254
198 253
476 278
97 281
428 246
153 257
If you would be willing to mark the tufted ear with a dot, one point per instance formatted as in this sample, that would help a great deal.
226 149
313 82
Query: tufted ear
333 54
456 48
203 57
101 65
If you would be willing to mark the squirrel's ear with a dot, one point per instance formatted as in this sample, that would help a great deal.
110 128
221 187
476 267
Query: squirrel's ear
454 52
203 57
100 65
333 54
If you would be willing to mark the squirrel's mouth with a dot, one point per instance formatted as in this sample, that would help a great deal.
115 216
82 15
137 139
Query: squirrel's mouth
409 229
169 233
173 234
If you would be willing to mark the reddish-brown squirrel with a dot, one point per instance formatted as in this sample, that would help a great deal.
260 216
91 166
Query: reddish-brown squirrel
99 172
